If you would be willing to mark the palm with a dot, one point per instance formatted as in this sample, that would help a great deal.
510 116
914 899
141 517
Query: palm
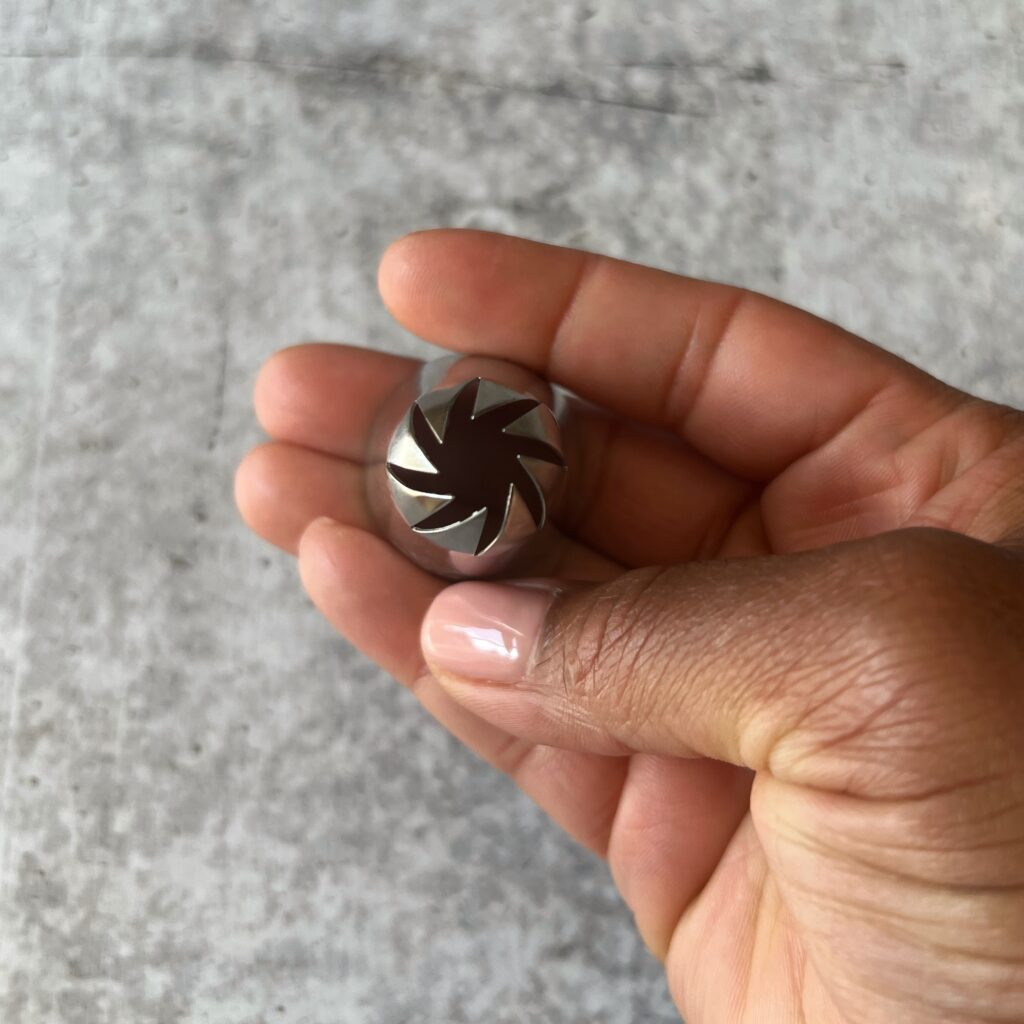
715 447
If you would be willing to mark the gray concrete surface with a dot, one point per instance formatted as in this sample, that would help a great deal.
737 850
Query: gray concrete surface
210 808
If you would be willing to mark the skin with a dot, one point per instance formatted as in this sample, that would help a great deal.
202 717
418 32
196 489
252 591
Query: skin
783 694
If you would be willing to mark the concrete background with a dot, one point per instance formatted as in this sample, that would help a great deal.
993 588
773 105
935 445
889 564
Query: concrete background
210 808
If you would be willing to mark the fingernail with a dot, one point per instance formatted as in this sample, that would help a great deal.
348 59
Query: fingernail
486 631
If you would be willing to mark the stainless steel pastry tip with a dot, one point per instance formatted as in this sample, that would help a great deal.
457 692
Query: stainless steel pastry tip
473 469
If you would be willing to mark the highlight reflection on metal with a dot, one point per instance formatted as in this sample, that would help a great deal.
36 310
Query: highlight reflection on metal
471 466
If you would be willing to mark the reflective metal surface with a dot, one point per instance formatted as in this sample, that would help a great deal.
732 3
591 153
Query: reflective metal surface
472 468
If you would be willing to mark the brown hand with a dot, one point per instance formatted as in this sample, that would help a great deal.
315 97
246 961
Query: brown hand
872 683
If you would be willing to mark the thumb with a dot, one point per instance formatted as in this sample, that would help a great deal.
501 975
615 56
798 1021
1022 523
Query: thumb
761 662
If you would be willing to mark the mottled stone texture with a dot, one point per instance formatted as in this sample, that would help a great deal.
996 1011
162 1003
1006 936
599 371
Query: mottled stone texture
212 810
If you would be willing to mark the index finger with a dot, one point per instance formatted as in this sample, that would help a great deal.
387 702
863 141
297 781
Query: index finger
749 381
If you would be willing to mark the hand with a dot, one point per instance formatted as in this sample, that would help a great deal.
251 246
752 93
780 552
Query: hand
799 740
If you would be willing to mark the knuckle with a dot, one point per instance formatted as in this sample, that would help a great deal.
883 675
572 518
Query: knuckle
610 648
921 685
929 585
894 593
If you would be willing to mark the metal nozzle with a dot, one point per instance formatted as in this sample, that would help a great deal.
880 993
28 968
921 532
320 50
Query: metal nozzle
471 466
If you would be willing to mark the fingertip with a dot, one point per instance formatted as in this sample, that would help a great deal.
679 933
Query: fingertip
339 560
286 391
253 486
317 549
275 385
400 272
368 592
485 631
417 273
321 528
464 289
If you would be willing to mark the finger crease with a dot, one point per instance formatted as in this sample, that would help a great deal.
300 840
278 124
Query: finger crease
676 407
589 263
